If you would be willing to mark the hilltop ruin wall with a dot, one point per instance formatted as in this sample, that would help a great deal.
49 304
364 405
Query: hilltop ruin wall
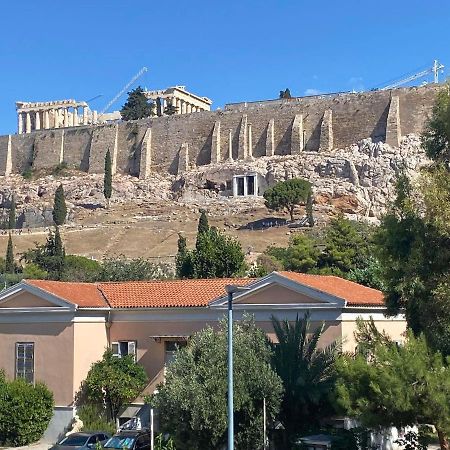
173 144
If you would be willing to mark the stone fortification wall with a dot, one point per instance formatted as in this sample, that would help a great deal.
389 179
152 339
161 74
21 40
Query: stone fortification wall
241 131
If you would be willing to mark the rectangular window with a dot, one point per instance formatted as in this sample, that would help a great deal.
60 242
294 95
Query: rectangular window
25 361
171 349
251 185
123 348
240 185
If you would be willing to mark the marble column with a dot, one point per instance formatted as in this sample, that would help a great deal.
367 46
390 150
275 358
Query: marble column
28 123
19 123
94 117
230 145
66 118
183 107
37 120
58 118
75 116
85 116
46 119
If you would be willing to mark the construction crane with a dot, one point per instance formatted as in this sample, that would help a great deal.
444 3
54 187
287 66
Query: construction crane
138 75
434 69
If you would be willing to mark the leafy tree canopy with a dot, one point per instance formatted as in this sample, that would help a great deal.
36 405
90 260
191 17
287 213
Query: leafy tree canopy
114 381
216 255
401 386
49 257
436 138
137 106
193 400
345 249
287 195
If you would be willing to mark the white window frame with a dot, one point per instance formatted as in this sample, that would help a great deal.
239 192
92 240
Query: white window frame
131 348
23 373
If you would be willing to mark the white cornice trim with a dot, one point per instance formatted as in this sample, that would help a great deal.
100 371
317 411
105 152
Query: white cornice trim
276 278
24 286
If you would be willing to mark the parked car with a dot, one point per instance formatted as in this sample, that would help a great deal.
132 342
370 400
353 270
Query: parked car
81 441
130 439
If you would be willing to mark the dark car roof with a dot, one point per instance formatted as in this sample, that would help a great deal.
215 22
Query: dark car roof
83 433
131 432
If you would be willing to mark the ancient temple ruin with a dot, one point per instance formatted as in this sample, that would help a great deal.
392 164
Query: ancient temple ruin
185 102
33 116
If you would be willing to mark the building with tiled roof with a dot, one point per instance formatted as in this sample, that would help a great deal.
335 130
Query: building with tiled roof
64 327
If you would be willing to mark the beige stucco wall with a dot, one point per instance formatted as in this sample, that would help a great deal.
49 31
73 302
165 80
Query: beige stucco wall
150 353
331 333
53 353
275 294
393 327
90 341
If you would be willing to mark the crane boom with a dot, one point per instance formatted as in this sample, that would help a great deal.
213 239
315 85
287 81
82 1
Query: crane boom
434 69
138 75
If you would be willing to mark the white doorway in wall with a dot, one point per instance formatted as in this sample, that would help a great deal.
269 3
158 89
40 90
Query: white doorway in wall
245 185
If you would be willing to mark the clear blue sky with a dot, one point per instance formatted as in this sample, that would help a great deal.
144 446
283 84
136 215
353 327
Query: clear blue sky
229 51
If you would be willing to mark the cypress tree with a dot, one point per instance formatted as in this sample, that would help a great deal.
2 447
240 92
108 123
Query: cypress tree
12 214
107 179
309 210
59 207
203 225
58 255
9 260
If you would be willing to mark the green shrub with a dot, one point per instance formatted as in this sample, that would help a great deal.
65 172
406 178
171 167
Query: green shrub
94 418
28 173
25 411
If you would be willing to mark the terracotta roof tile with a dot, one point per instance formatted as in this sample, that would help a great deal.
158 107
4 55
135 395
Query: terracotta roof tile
355 294
192 293
85 295
167 294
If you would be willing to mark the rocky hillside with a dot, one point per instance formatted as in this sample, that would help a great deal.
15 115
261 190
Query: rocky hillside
146 215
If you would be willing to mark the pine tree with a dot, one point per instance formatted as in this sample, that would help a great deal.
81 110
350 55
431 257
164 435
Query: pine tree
12 214
137 106
170 109
107 179
309 210
9 260
59 207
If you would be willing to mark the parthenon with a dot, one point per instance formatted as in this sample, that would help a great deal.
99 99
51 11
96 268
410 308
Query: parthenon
34 116
185 102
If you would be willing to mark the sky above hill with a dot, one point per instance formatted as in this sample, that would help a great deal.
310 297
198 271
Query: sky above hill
229 51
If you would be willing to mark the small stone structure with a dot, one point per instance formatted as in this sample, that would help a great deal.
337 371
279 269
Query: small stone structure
180 98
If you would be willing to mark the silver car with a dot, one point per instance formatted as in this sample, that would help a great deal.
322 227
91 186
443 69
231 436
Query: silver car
81 441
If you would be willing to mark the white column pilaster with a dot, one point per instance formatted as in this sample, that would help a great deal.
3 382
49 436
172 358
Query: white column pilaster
66 118
230 145
46 119
75 116
37 120
19 123
250 140
28 123
85 117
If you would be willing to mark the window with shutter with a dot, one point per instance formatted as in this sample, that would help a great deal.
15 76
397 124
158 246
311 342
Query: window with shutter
25 361
123 348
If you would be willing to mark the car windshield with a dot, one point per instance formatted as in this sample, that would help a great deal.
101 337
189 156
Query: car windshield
75 441
120 442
